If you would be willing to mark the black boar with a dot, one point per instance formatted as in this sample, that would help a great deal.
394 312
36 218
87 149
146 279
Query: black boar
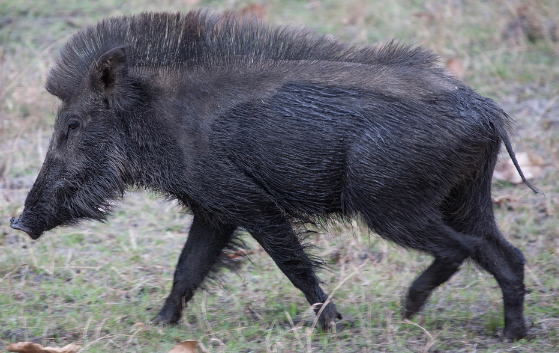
262 128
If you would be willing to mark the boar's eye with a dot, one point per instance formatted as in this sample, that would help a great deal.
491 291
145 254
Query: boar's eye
73 124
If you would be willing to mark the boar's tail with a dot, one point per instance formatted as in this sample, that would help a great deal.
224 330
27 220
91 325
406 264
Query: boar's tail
508 146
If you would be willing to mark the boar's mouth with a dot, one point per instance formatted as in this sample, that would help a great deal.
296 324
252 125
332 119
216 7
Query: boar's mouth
17 224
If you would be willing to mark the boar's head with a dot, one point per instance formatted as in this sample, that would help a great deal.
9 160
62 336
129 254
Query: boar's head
85 168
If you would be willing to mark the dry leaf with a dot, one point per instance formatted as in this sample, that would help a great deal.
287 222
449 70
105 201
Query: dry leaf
502 200
531 165
425 15
253 10
506 202
237 255
456 67
29 347
139 326
185 347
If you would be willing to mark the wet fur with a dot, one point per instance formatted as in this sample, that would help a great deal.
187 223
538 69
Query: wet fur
263 127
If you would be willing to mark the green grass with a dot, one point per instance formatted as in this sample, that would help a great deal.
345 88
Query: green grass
98 285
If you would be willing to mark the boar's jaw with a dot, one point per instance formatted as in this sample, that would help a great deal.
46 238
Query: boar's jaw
18 224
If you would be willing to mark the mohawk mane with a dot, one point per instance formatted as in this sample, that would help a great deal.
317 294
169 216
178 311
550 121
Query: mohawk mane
178 41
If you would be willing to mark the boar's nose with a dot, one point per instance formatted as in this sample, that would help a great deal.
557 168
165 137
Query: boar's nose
16 224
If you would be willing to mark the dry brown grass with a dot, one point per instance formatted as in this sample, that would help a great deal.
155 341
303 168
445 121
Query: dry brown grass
97 285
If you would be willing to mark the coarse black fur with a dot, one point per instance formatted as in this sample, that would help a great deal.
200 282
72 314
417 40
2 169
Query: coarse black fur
260 127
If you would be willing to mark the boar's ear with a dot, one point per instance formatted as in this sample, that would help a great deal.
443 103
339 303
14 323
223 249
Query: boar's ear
109 73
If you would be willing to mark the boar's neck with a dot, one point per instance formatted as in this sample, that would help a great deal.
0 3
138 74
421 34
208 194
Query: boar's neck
154 155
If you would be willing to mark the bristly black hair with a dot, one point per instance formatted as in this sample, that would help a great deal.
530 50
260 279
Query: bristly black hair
200 38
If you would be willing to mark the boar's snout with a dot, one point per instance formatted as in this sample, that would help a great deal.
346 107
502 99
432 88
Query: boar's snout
18 224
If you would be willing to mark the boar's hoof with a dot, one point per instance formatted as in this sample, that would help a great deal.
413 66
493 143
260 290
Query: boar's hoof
327 318
329 327
166 317
411 308
515 332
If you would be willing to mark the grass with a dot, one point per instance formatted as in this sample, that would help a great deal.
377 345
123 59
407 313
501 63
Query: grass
98 285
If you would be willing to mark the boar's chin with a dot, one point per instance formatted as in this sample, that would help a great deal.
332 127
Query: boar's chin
34 223
19 225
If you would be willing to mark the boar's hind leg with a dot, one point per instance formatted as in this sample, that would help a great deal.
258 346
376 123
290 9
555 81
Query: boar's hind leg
439 272
450 249
200 253
470 211
506 264
282 244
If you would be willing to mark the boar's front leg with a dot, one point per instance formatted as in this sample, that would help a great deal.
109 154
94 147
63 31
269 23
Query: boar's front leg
200 254
282 244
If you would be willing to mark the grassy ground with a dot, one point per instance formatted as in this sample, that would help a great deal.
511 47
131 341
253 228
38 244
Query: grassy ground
99 284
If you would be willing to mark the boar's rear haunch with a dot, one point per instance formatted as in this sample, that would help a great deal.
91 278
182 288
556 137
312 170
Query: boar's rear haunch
261 128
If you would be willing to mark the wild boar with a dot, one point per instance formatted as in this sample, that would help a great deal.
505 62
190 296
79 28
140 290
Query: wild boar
265 128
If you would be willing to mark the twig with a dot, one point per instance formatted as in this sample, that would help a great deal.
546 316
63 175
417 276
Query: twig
12 271
328 300
2 57
97 340
366 330
8 163
32 254
548 106
86 328
268 345
545 320
121 275
431 338
534 276
295 330
14 81
99 328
